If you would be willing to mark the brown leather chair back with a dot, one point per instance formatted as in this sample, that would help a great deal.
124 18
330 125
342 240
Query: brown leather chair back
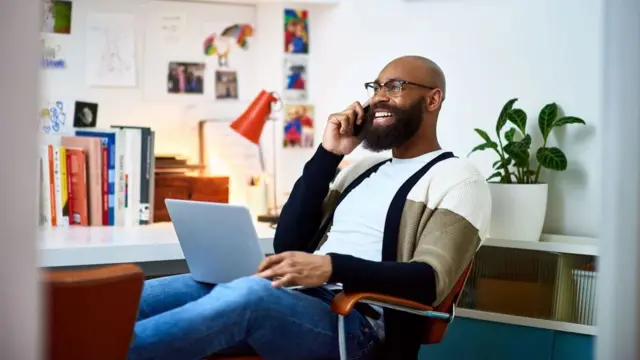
434 333
90 314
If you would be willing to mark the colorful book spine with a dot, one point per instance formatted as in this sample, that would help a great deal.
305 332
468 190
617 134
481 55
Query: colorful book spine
77 174
108 144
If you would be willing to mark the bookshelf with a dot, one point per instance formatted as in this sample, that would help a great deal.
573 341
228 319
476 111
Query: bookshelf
97 177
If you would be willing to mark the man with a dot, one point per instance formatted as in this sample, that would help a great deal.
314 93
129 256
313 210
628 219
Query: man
405 226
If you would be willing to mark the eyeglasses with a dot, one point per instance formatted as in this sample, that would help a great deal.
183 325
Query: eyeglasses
392 87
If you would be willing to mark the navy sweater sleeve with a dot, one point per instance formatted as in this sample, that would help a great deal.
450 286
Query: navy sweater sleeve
301 216
413 280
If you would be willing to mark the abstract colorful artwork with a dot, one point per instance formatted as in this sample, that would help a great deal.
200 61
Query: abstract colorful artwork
295 77
56 17
298 126
220 44
296 31
240 33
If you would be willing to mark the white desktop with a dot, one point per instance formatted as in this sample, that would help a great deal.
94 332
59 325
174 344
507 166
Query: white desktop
99 245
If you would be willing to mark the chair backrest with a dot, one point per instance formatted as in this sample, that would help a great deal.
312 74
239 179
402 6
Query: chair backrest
90 314
435 329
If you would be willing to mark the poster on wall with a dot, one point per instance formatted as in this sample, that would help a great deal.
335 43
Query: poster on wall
298 126
220 40
85 114
296 31
52 57
171 27
110 50
295 78
226 84
56 117
185 78
56 16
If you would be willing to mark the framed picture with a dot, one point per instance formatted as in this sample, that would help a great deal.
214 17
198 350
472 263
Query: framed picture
185 78
298 126
226 84
296 31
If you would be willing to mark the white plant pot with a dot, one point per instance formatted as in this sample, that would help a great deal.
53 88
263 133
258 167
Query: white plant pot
517 211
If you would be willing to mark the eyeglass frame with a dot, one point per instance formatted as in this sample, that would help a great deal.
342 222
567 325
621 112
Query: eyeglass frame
400 81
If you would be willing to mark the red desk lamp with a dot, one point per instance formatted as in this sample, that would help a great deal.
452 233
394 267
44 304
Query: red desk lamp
250 125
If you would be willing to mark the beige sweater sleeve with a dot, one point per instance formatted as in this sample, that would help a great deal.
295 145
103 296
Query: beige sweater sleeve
453 232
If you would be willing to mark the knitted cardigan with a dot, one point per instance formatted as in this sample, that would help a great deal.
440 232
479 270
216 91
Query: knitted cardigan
434 225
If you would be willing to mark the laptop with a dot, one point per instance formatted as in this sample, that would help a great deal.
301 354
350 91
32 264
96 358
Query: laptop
219 241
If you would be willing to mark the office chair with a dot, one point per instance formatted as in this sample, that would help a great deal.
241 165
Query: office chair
90 314
439 317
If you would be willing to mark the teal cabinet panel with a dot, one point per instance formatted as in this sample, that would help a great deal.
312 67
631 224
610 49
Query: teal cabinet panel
469 339
569 346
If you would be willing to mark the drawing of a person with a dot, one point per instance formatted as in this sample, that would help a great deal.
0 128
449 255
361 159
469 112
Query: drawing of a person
307 127
295 79
292 132
182 79
289 34
299 43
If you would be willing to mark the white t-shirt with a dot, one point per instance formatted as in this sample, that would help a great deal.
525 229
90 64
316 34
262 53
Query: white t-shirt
358 222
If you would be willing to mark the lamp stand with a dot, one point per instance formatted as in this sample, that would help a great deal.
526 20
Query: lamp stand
273 216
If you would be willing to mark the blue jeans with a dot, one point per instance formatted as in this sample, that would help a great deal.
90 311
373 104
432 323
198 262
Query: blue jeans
180 318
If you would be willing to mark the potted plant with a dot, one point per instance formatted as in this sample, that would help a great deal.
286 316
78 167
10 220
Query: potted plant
519 199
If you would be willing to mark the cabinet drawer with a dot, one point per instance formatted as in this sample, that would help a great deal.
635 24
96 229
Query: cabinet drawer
210 186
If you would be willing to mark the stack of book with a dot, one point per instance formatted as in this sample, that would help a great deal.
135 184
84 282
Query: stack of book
98 177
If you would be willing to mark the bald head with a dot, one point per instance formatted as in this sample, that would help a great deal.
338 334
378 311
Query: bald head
417 69
405 103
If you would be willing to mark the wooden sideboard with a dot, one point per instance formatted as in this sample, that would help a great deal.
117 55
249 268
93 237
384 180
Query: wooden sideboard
187 187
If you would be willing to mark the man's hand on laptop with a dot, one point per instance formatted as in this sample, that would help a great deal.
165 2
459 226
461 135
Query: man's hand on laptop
293 268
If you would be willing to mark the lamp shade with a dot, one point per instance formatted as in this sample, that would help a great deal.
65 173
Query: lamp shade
252 120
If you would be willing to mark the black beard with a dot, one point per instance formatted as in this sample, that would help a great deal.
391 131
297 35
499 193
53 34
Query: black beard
385 137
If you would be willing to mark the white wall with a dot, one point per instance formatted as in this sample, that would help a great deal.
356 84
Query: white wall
491 50
174 117
19 298
270 76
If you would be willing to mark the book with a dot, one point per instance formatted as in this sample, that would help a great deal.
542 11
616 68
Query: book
97 177
143 177
113 141
77 179
92 148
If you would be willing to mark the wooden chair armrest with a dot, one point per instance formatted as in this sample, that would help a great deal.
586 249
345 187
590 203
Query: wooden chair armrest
343 303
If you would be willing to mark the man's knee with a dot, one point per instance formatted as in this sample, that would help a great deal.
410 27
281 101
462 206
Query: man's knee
252 291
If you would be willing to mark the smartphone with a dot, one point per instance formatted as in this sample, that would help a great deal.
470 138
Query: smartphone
357 128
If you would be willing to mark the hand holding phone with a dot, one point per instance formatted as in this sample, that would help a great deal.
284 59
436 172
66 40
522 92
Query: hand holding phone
339 135
357 127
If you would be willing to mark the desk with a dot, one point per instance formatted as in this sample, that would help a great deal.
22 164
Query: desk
156 250
79 246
